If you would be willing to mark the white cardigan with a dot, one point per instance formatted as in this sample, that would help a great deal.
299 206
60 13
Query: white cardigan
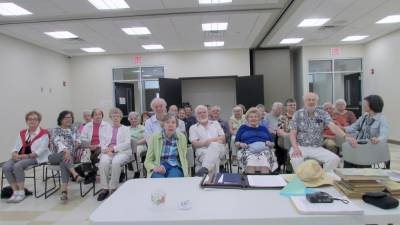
123 144
87 132
39 146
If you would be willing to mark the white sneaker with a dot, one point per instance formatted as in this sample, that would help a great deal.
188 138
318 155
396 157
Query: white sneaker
20 197
12 198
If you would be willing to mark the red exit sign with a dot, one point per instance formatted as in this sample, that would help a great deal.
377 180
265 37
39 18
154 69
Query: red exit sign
336 51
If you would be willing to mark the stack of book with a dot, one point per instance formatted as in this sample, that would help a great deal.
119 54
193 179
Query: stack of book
355 182
392 187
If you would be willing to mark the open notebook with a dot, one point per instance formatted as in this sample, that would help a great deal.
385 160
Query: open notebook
239 181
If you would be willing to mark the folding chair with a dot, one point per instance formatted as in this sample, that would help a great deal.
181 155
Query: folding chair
33 167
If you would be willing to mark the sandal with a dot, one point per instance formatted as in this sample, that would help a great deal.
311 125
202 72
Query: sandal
64 196
78 178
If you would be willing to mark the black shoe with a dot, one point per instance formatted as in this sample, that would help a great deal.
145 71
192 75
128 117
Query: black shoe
122 177
222 169
103 195
136 174
202 171
130 167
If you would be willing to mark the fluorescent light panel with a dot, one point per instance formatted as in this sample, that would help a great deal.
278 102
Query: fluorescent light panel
214 44
11 9
93 49
61 34
136 30
152 47
355 38
214 2
390 19
214 26
109 4
315 22
291 40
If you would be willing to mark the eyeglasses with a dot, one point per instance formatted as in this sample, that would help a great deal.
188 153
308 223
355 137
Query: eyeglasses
33 119
68 117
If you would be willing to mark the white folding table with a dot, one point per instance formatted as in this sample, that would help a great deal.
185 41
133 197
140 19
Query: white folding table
131 204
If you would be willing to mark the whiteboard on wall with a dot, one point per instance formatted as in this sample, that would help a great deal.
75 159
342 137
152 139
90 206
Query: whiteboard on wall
212 91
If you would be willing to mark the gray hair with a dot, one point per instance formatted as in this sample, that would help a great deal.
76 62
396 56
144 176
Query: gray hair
216 107
87 111
155 100
200 107
167 117
275 105
341 100
308 94
115 111
134 114
327 104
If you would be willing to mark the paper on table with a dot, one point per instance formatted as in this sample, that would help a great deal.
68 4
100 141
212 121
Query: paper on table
336 208
266 181
220 180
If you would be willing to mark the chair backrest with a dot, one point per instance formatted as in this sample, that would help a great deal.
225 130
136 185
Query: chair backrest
366 154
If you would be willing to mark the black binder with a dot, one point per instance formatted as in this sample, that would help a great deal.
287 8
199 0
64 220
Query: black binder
230 181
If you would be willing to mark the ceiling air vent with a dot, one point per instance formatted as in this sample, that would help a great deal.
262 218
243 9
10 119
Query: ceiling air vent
74 41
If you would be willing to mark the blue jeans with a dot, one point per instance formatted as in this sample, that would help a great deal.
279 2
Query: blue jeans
171 171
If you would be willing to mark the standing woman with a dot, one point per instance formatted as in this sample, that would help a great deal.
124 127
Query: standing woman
65 140
31 148
115 151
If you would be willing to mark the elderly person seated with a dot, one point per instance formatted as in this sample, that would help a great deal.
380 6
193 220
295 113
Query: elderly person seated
329 137
31 148
189 119
87 118
137 133
166 156
215 115
115 151
208 139
173 109
306 135
93 136
262 110
235 121
372 125
153 124
271 120
65 139
342 114
255 140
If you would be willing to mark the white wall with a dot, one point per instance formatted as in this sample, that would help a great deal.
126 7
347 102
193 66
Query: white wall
24 70
383 55
92 75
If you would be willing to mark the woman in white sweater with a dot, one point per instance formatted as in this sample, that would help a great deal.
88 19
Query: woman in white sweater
31 148
115 151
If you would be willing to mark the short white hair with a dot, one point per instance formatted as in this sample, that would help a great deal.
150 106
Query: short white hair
275 105
155 100
327 104
199 107
87 111
134 114
216 107
237 108
341 100
310 93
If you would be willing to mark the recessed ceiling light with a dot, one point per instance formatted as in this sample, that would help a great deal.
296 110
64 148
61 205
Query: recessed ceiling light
214 26
316 22
214 2
153 47
136 30
355 38
214 44
11 9
109 4
390 19
93 49
61 34
291 40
